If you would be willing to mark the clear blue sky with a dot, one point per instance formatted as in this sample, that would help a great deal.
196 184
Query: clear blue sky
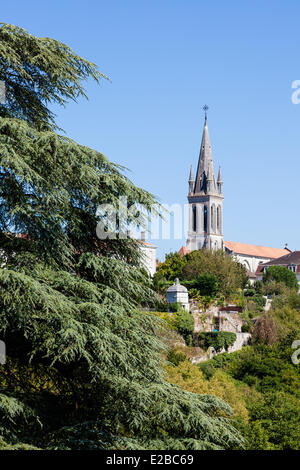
165 60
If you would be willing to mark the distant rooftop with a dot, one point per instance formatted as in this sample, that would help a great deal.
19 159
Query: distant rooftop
291 259
248 249
255 250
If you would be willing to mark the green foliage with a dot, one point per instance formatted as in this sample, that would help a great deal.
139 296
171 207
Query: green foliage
218 340
246 327
206 284
175 307
287 321
281 274
260 300
274 402
169 318
250 292
229 274
175 357
161 305
37 71
185 325
171 268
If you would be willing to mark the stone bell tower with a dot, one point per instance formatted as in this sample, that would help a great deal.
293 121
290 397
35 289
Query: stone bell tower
205 201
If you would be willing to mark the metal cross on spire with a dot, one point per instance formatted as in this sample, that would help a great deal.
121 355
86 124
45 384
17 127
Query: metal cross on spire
205 109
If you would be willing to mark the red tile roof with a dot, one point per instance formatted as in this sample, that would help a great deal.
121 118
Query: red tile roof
183 251
254 250
146 243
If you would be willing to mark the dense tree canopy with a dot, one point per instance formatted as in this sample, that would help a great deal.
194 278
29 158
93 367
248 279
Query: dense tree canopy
209 271
280 274
84 365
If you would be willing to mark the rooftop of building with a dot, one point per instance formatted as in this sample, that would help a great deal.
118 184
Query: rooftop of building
291 259
248 249
256 250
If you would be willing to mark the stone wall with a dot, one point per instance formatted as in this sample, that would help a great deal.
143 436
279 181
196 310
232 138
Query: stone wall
207 321
242 339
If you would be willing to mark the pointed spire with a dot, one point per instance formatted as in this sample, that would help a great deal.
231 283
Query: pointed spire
191 177
205 162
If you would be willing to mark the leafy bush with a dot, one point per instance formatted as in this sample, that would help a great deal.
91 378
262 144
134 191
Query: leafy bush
260 300
161 305
171 268
207 284
218 340
230 274
175 357
170 318
185 325
281 274
249 292
190 377
175 307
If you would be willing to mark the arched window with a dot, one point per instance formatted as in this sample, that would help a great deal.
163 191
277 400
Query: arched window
212 217
205 219
194 218
218 217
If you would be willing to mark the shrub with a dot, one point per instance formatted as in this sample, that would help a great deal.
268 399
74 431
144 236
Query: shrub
246 327
218 340
281 274
249 292
161 306
185 326
175 307
175 357
207 284
260 300
230 274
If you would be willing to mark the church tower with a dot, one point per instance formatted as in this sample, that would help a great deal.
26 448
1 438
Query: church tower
205 201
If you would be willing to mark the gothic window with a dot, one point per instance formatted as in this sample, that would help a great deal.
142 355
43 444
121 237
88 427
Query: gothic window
212 217
194 218
218 217
205 219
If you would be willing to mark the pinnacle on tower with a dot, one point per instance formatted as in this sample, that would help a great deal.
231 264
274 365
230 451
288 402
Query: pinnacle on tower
220 176
220 181
191 180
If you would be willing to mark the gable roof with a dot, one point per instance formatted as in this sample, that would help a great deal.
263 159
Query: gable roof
183 251
287 260
146 244
255 250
